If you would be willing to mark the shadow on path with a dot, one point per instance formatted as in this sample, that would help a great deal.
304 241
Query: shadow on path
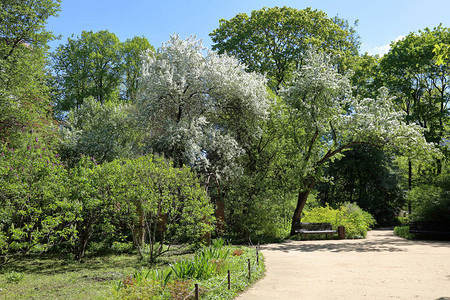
376 241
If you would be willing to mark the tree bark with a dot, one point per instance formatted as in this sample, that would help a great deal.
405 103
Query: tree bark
301 201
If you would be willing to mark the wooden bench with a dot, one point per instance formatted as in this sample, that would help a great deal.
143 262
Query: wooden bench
429 228
314 228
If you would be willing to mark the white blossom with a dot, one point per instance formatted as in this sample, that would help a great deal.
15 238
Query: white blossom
201 110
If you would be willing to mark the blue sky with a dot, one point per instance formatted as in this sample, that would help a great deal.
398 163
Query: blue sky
380 21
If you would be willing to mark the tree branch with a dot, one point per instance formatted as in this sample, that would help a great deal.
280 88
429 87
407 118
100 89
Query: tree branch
330 154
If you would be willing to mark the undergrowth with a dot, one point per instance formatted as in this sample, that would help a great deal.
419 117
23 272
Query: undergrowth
208 268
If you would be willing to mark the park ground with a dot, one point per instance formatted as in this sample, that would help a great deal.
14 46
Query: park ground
382 266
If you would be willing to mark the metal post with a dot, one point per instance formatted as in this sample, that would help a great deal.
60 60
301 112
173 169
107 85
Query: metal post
249 270
257 255
229 280
196 291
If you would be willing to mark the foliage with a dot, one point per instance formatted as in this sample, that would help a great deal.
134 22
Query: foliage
350 215
205 271
87 66
104 132
35 210
200 111
430 200
146 196
24 102
159 203
122 247
324 120
132 50
442 53
89 187
419 85
403 231
274 40
97 65
366 176
14 277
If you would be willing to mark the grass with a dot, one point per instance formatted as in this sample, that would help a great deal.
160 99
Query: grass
60 277
56 277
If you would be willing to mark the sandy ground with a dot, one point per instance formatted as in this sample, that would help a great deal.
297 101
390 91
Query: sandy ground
382 266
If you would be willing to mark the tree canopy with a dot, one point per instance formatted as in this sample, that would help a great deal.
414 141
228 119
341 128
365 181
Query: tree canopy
97 65
272 41
24 99
202 111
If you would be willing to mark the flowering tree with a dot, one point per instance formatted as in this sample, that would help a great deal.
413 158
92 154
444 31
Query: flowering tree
199 110
323 120
103 131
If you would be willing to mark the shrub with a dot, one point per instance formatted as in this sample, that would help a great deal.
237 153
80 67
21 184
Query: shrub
14 277
35 213
430 203
350 215
403 231
119 247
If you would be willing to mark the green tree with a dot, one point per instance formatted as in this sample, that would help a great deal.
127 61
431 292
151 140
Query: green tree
273 41
420 86
366 176
162 203
95 207
98 65
132 51
430 198
24 97
89 65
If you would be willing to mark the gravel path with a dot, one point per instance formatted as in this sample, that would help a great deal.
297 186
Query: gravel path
382 266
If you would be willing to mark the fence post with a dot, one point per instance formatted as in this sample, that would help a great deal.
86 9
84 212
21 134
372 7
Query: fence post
229 280
249 270
196 291
257 255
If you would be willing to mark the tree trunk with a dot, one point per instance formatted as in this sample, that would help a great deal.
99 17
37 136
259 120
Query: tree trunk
139 230
301 201
409 184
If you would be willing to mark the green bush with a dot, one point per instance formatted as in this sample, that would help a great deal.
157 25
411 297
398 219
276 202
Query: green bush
356 221
430 203
14 277
120 247
403 231
35 213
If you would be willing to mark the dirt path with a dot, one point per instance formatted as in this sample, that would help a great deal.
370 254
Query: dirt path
383 266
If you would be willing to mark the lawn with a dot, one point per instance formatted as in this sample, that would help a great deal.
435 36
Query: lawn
58 277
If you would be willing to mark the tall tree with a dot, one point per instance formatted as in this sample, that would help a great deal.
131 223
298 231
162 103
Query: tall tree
132 51
273 41
89 65
325 119
420 86
24 99
200 111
